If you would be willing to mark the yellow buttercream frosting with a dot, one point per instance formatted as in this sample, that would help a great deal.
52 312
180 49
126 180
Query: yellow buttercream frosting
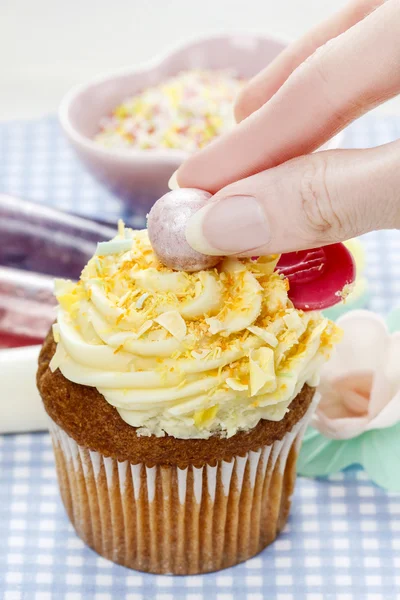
187 354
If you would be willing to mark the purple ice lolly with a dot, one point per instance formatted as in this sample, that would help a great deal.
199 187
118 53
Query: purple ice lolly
37 238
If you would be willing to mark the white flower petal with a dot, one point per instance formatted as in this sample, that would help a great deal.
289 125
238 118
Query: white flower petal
339 429
392 369
381 393
388 416
363 345
367 348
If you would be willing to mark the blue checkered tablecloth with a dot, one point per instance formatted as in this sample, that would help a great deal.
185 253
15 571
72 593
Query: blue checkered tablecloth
342 541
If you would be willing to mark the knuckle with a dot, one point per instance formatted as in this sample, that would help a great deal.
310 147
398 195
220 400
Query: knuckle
316 63
317 69
317 198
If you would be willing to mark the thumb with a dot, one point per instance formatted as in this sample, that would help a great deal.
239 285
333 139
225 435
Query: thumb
306 202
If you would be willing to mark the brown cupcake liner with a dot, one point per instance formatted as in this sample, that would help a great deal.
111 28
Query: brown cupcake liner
163 519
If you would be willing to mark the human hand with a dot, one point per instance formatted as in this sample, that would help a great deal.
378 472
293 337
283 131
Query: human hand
271 194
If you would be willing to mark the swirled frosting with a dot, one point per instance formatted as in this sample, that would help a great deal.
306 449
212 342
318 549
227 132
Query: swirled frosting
186 354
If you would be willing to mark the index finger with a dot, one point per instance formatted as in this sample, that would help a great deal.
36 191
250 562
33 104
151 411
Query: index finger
345 78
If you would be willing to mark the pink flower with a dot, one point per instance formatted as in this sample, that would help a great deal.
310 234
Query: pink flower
360 385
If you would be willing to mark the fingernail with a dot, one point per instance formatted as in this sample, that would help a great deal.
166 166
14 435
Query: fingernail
173 182
233 225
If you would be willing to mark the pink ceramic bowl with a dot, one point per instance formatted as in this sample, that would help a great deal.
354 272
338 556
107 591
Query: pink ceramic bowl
141 176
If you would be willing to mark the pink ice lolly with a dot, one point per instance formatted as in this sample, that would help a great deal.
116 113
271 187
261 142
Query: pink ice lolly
318 276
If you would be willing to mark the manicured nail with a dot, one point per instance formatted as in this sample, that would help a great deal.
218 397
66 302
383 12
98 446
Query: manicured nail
173 182
233 225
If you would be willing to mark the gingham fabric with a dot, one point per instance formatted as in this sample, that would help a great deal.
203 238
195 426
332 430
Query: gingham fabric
342 541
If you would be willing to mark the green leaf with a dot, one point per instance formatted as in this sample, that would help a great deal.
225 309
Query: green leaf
393 320
320 456
380 456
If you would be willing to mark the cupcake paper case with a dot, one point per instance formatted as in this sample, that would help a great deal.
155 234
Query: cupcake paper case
177 404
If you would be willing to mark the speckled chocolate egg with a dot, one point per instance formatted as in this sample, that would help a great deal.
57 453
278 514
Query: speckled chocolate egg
166 226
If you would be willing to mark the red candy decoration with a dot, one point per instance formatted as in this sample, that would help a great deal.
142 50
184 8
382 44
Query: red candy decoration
318 276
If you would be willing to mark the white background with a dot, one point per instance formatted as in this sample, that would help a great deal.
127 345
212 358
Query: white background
46 46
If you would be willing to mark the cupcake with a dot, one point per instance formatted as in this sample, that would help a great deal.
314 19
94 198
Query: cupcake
177 403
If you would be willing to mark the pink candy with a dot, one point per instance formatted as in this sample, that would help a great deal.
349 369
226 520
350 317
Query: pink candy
166 226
